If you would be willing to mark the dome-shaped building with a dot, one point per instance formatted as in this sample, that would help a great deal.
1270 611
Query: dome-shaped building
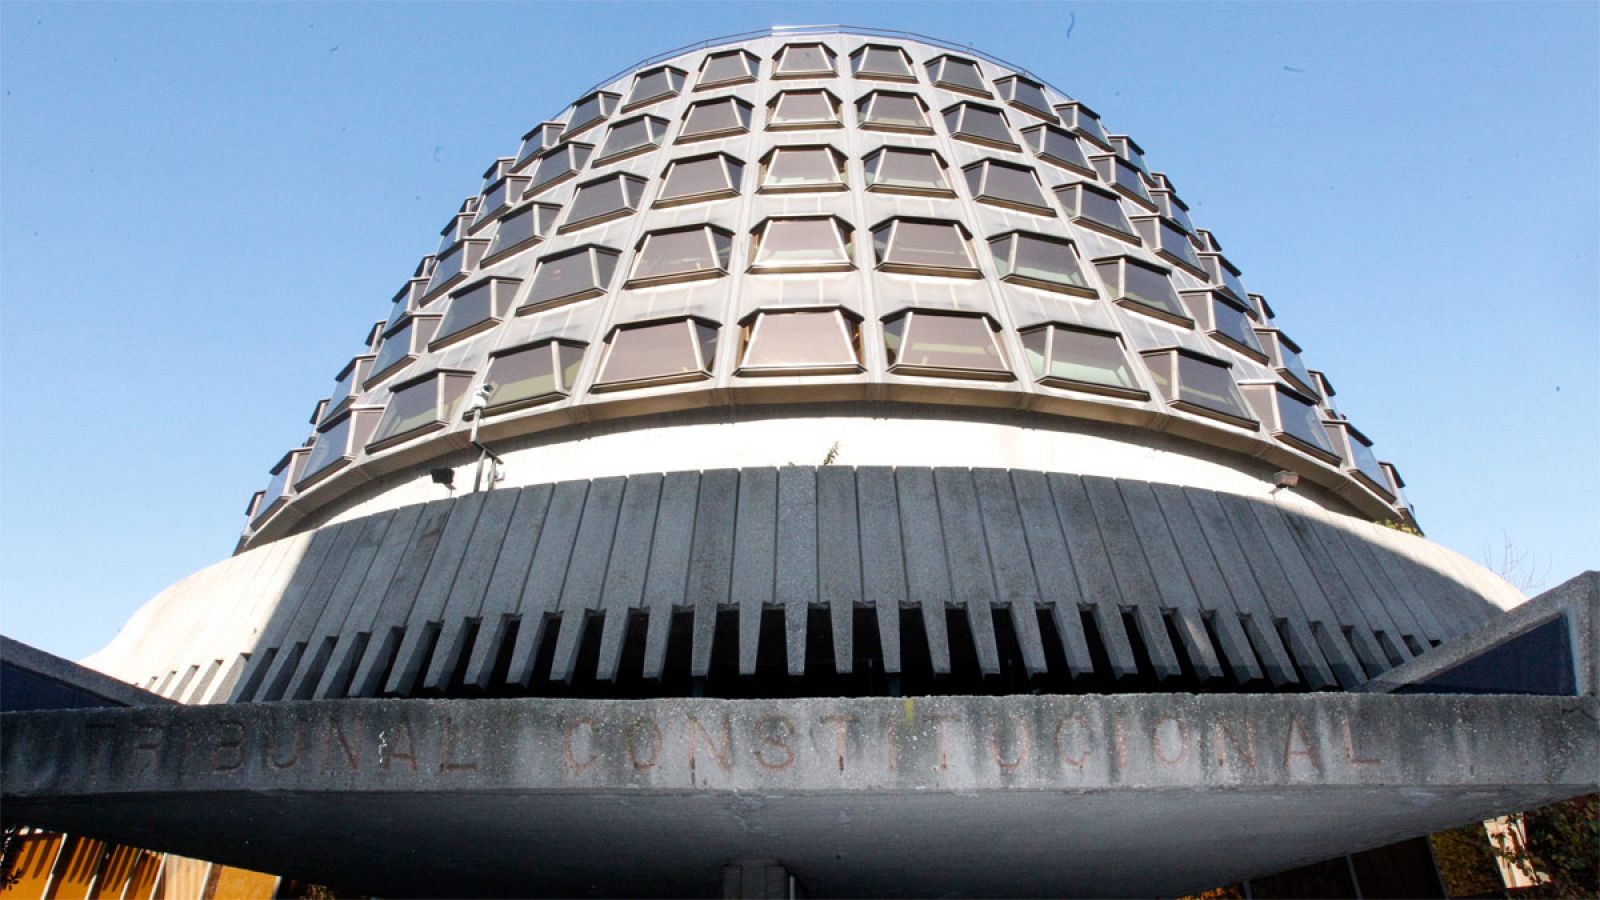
815 363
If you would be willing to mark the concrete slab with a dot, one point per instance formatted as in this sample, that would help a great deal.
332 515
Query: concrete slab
1127 795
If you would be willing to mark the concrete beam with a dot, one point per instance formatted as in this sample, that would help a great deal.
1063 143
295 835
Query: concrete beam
1028 795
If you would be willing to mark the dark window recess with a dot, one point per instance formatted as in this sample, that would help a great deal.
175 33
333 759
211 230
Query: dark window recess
816 167
979 124
558 165
1025 94
589 112
923 247
654 85
603 200
813 342
803 61
707 119
1170 243
893 111
475 309
419 406
681 254
522 229
1039 261
1142 287
881 61
630 137
1005 184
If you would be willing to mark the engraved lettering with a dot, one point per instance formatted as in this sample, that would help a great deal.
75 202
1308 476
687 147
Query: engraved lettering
274 753
1245 751
150 740
1297 736
227 752
1078 725
1169 741
337 743
841 734
764 731
1022 745
939 721
722 753
391 746
1350 750
630 743
447 742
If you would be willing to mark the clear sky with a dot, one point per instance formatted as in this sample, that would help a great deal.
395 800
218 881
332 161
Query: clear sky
204 206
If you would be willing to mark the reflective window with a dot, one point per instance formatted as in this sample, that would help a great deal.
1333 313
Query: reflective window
1285 356
979 124
729 67
1203 385
803 109
1132 152
715 118
681 254
1039 261
1366 462
1080 359
1025 94
1169 242
939 343
879 61
604 199
924 247
537 373
1004 184
1232 324
1170 207
284 475
658 353
808 168
558 165
632 136
812 244
455 231
654 86
500 195
1053 145
574 275
335 446
1081 119
454 266
1123 176
700 178
906 170
1143 287
813 341
1301 423
400 347
1222 272
893 111
588 112
537 141
425 404
958 74
803 60
1096 208
344 386
523 228
474 309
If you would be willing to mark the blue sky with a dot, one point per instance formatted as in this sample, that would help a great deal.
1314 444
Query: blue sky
204 206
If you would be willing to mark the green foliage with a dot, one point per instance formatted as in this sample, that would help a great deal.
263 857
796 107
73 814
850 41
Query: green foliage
1561 849
1466 862
1398 526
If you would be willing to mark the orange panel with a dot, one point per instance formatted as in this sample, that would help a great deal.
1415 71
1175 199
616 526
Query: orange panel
143 881
243 884
80 862
115 873
31 859
183 878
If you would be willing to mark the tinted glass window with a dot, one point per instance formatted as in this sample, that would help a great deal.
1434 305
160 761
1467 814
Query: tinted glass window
633 134
1366 462
589 111
655 85
811 339
413 406
1174 210
904 242
804 59
446 269
559 164
1056 146
1026 94
712 117
1125 177
979 123
651 352
396 347
1142 285
700 177
804 107
528 224
1095 206
1176 244
889 62
898 167
584 271
468 308
952 71
887 109
942 341
801 242
797 166
605 199
1297 367
329 449
1233 322
727 68
1301 420
1086 123
669 253
531 374
1006 184
1078 357
344 387
1034 258
1208 385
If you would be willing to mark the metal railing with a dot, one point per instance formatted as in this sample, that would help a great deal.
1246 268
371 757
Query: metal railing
790 30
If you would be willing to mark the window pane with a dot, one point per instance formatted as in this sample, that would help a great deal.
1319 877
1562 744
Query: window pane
1054 145
1172 209
697 177
891 110
804 58
344 387
1367 462
589 111
915 169
1126 177
1096 206
395 347
888 61
1090 358
1230 280
1025 93
800 241
631 134
936 244
412 407
800 339
941 341
1087 123
803 107
957 72
523 375
571 274
1301 420
525 225
559 164
1296 366
655 85
668 253
329 448
467 309
1032 257
1208 385
982 123
794 166
605 198
650 352
447 268
991 180
723 68
1232 321
1176 244
715 116
1146 286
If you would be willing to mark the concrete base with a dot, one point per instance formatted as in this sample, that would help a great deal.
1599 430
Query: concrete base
1025 796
